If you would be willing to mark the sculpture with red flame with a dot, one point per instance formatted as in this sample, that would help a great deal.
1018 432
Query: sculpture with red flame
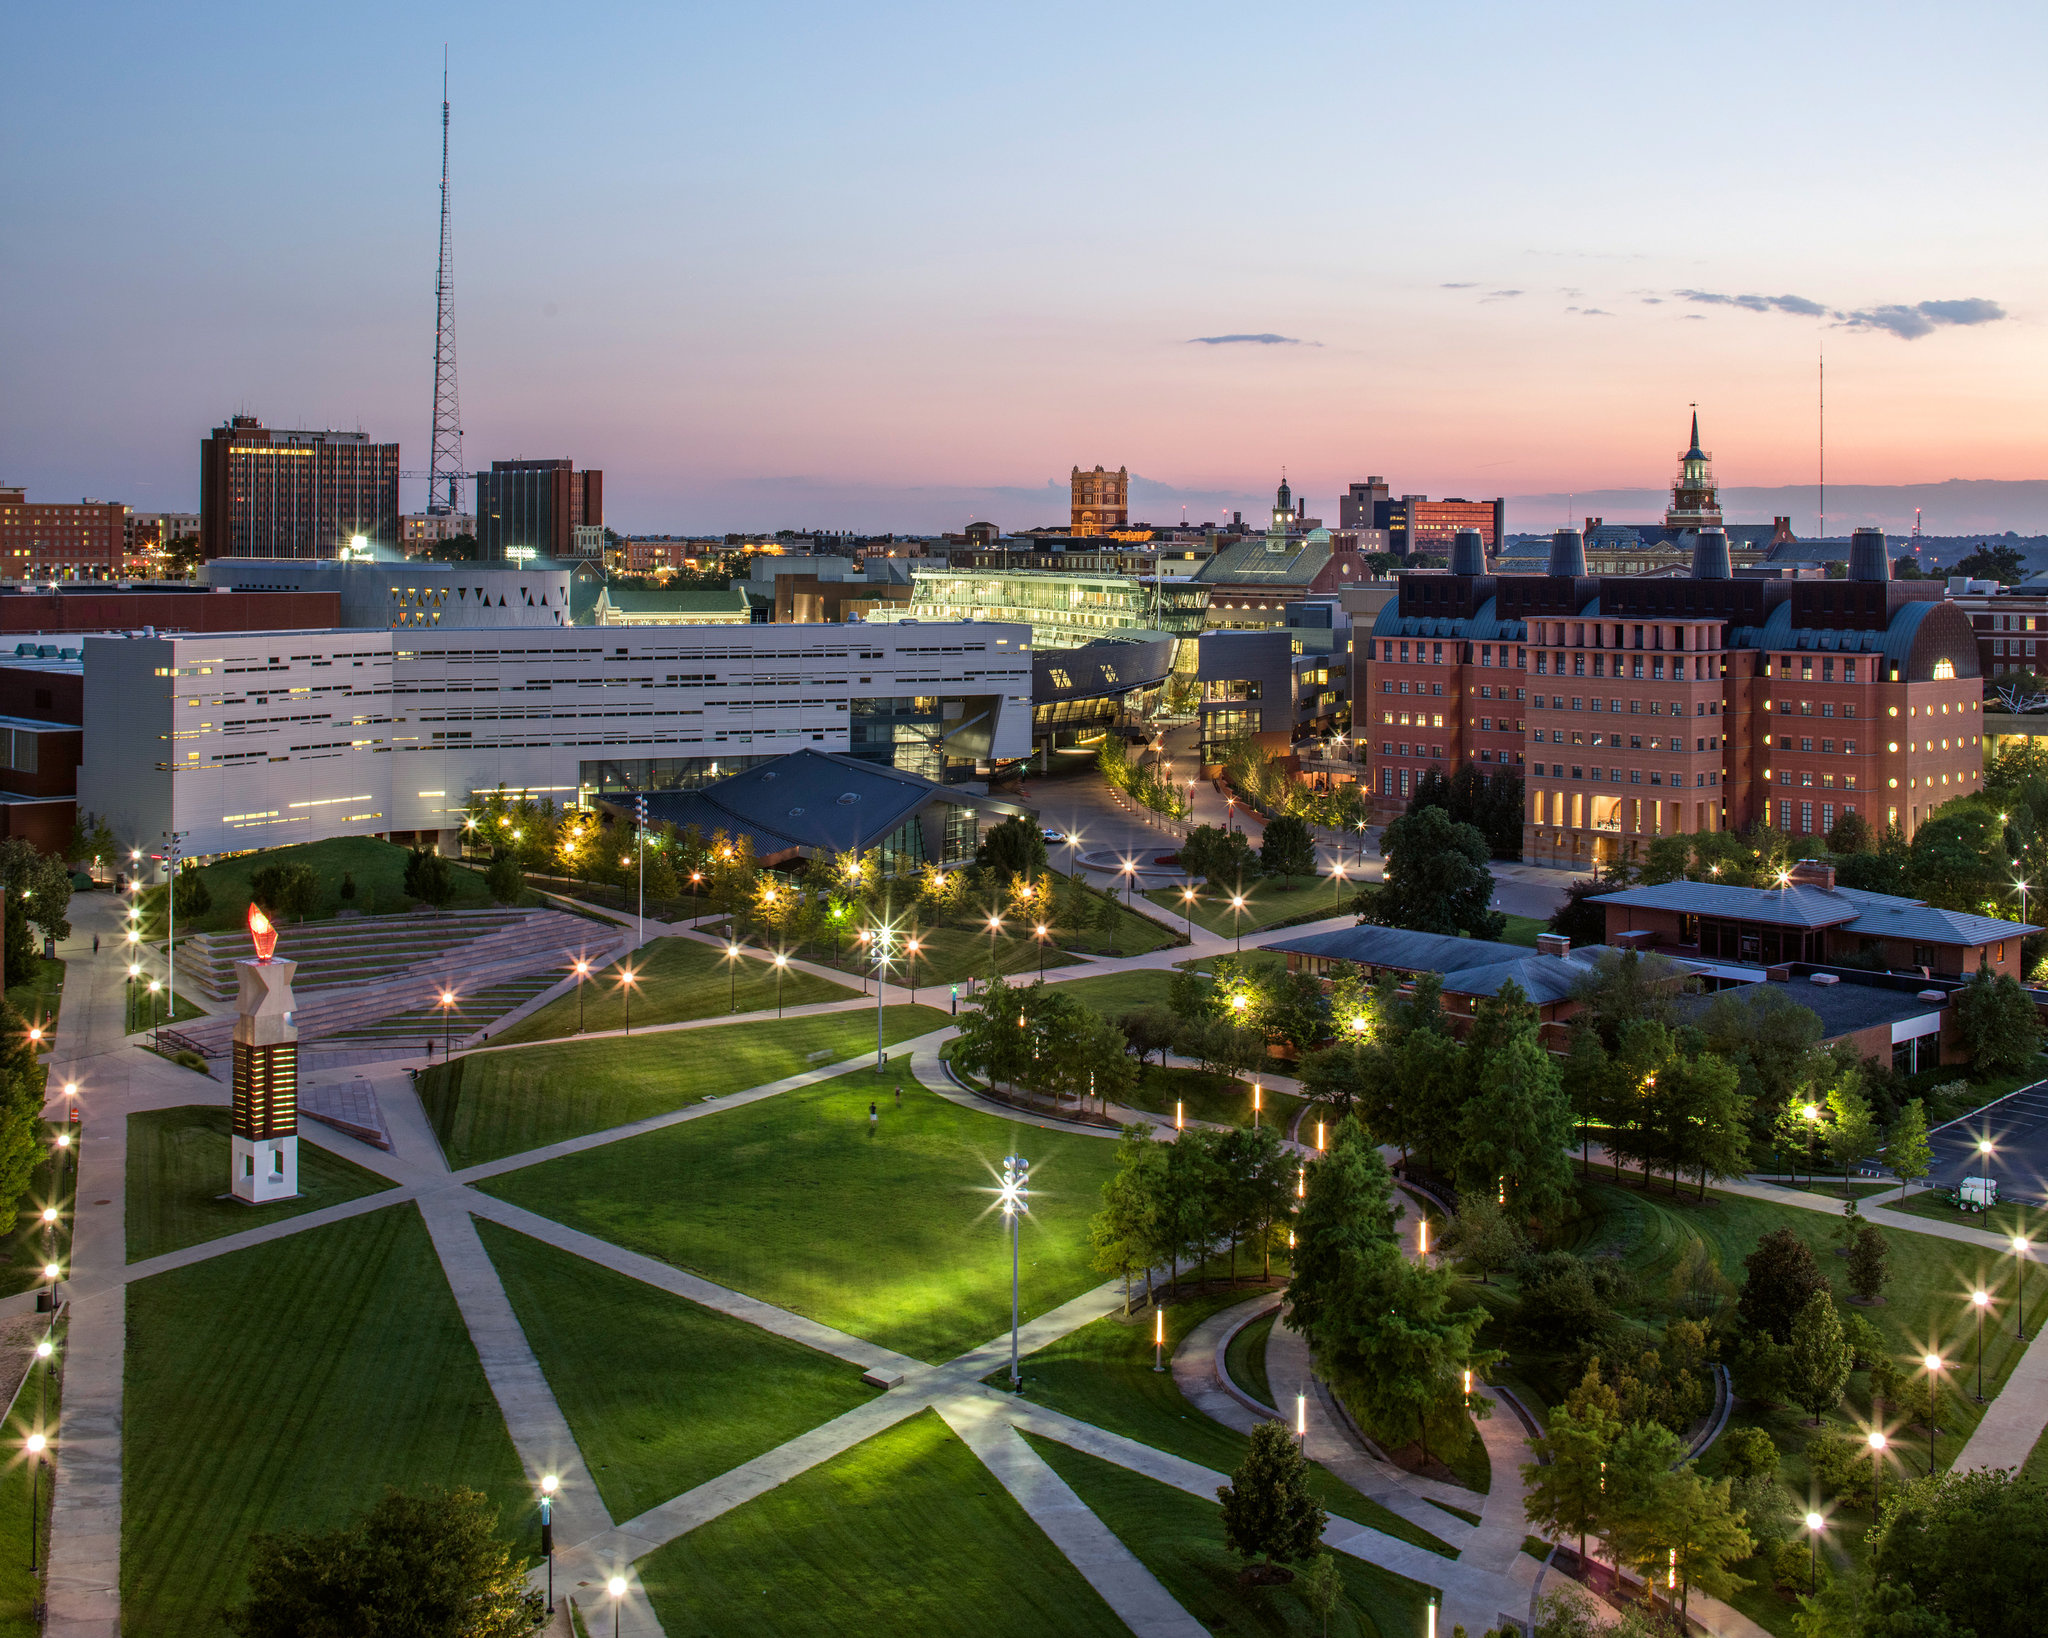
261 933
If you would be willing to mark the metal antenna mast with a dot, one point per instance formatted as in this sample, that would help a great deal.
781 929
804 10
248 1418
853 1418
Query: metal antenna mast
446 464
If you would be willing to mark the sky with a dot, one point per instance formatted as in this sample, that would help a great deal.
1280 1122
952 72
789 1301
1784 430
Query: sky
878 267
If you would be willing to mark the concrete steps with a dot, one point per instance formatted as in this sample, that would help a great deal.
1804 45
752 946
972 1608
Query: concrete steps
355 951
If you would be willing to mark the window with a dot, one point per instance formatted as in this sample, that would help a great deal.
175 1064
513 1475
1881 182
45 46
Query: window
1944 670
1827 746
1848 747
1806 745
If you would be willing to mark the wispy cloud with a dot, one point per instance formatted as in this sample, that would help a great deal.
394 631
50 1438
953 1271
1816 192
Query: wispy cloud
1469 284
1590 312
1265 338
1907 321
1499 295
1911 323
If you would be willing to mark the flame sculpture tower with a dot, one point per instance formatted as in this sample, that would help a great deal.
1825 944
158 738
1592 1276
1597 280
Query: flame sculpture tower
265 1139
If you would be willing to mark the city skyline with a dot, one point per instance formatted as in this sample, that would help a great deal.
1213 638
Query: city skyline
897 271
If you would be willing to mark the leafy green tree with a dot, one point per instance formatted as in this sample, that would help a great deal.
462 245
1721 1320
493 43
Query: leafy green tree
428 878
1222 857
1287 850
1122 1233
1517 1128
1907 1150
1624 987
1959 858
1781 1278
1821 1360
285 888
505 879
1268 1513
1566 1483
1705 1536
1298 1012
1220 1048
37 889
1702 1118
1148 1030
1482 1234
1582 918
1436 879
1348 1212
1961 1553
993 1041
422 1565
21 1104
1187 1220
1321 1587
1337 1075
1869 1262
1997 1022
1255 1179
1013 847
1642 1489
2005 564
1852 834
1852 1134
92 841
1767 1036
190 895
1107 916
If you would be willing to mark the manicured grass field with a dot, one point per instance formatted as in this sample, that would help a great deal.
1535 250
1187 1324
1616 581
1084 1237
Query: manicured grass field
491 1104
1266 901
1102 1374
906 1533
1245 1359
674 979
39 997
378 868
144 1012
1209 1097
22 1590
660 1393
283 1387
1179 1538
890 1234
1523 930
178 1175
1112 993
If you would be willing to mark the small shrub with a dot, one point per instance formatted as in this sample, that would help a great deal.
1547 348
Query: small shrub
1792 1569
191 1060
348 886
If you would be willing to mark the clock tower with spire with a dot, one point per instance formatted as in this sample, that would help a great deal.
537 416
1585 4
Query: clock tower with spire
1695 504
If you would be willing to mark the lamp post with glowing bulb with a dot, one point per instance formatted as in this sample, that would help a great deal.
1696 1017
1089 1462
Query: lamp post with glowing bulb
1933 1364
912 946
1980 1299
1187 901
1236 917
617 1588
1877 1444
1130 872
781 967
548 1484
155 986
1015 1197
447 1006
1040 932
1814 1522
627 979
36 1445
732 968
1158 1338
2019 1251
582 971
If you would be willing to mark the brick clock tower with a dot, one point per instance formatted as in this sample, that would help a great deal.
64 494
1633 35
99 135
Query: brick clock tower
1101 501
265 1137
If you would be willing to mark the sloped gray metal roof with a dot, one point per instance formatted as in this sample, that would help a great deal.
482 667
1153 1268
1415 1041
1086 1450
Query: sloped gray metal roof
1796 906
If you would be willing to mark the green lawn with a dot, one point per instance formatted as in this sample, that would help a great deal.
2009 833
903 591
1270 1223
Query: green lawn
1112 993
145 1012
283 1387
1209 1097
378 869
1245 1359
1523 930
491 1104
660 1393
889 1234
675 979
951 955
1102 1374
178 1176
22 1590
39 997
906 1533
1179 1538
2005 1219
1266 901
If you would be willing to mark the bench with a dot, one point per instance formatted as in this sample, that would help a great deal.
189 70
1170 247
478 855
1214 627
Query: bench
820 1056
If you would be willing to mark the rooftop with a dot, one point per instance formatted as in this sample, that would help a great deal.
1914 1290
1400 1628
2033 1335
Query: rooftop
1872 915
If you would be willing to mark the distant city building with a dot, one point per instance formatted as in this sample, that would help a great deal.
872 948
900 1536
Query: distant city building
1101 501
410 594
1253 578
536 506
421 529
671 606
1415 523
271 493
667 554
148 533
47 539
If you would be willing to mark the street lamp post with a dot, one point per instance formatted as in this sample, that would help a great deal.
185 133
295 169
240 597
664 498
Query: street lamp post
910 949
447 1006
1016 1201
732 968
995 926
1130 871
1933 1364
1980 1300
155 986
885 935
1039 933
781 966
1236 917
627 978
582 972
36 1445
1813 1527
640 857
617 1588
1187 903
1877 1443
547 1532
2019 1251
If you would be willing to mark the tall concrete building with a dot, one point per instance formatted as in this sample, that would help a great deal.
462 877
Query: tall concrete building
1100 501
536 506
270 493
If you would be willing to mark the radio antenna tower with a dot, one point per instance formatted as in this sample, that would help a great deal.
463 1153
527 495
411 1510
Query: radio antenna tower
446 465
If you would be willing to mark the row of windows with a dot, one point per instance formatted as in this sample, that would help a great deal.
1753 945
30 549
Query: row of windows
1827 780
1782 665
1827 708
1701 781
1827 746
1703 708
1387 687
1702 669
1435 752
1669 742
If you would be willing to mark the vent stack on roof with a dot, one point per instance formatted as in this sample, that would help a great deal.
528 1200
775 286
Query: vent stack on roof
1813 873
1867 558
1710 560
1468 552
1568 552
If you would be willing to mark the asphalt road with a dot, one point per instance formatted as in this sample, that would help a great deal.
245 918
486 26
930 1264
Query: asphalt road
2018 1129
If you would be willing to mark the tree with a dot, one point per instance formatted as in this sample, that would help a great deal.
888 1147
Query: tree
1517 1127
1255 1178
1348 1211
1436 878
1821 1360
424 1565
92 841
1122 1232
1321 1587
1567 1482
22 1140
1106 918
1288 850
2005 564
38 893
1482 1234
1852 834
190 895
1852 1134
1642 1488
1959 861
1702 1118
1185 1223
1907 568
1781 1278
1218 856
1767 1036
1869 1262
1298 1012
1148 1030
1907 1150
1582 918
1268 1513
285 888
1996 1021
1705 1535
505 879
1966 1552
1015 847
428 878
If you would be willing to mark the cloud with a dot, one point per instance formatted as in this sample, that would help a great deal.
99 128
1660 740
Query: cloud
1911 323
1265 338
1907 321
1590 312
1501 295
1656 301
1469 284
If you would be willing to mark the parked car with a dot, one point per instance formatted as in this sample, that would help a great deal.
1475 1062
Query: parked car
1055 838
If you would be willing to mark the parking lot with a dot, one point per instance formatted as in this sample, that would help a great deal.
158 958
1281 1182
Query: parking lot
2018 1129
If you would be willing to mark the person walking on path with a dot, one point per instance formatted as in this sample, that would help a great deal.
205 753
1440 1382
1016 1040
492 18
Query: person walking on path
95 944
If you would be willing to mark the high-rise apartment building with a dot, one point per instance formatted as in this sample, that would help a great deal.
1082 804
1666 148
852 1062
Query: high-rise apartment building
270 493
1415 523
47 539
1100 501
1637 708
536 506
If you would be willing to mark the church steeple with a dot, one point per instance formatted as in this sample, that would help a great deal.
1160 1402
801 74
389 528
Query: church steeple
1693 453
1694 502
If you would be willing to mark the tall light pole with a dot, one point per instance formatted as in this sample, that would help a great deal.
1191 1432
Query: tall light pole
1933 1364
547 1531
1016 1201
36 1445
1236 916
1187 904
884 935
1980 1300
617 1588
1130 872
2019 1251
1039 932
1877 1443
447 1006
582 972
1814 1522
174 842
781 966
640 851
910 949
732 968
627 978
